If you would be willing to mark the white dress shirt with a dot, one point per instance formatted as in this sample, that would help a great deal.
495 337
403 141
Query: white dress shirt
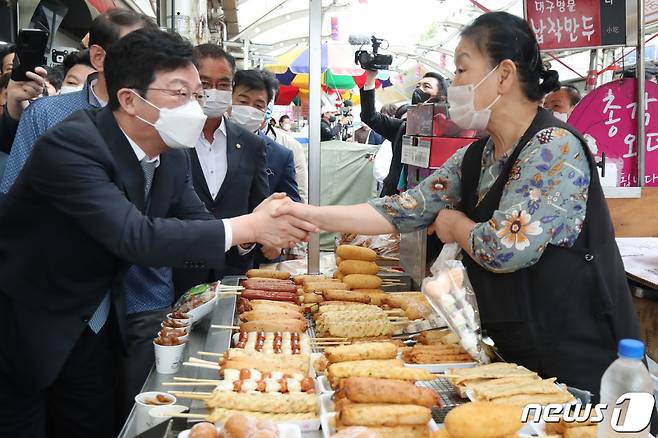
213 159
140 154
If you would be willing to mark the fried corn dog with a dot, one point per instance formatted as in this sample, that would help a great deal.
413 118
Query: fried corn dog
370 390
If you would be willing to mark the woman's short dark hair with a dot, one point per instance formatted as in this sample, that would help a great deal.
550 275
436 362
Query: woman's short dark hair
259 80
136 58
283 118
75 58
501 36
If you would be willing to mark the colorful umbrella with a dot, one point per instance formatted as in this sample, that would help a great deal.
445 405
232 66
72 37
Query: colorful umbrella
280 66
338 58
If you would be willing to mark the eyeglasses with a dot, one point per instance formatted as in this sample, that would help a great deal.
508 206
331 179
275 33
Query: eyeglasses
182 94
217 85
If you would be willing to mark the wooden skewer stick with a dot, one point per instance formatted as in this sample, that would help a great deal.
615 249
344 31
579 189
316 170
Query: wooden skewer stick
192 395
330 340
197 360
400 322
208 353
225 327
392 259
229 293
230 287
188 384
181 415
189 379
201 365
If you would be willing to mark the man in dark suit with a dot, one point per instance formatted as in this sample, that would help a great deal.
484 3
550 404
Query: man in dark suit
228 164
103 190
253 90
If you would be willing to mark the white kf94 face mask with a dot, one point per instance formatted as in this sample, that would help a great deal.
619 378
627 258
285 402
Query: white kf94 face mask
178 127
461 101
248 117
216 102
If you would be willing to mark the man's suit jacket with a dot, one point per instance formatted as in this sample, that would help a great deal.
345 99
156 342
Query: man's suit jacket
281 169
244 187
72 224
393 130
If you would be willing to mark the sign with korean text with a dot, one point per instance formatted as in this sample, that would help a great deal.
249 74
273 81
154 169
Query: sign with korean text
416 151
570 24
607 117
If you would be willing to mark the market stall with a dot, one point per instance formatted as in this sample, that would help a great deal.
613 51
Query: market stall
316 354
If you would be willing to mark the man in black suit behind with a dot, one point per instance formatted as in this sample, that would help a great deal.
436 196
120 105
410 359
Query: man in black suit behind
228 164
74 221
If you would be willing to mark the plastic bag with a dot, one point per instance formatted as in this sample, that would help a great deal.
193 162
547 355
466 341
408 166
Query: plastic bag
451 295
195 297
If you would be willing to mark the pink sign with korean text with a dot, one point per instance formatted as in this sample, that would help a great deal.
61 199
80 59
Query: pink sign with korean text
607 118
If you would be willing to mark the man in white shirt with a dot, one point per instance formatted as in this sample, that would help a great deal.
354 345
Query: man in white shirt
228 163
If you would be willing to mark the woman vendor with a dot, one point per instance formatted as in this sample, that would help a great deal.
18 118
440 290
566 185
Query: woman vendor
525 205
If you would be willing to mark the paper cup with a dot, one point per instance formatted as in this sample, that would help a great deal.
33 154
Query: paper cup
180 334
160 414
168 358
185 321
142 409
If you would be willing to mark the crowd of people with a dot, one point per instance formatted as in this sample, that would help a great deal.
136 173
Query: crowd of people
132 228
158 168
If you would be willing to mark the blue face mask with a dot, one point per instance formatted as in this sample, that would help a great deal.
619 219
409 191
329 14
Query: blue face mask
269 111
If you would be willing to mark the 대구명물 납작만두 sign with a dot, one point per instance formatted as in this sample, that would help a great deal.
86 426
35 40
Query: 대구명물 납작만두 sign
569 24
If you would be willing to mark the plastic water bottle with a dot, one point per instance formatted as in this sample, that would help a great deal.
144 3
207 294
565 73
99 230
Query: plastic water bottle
624 375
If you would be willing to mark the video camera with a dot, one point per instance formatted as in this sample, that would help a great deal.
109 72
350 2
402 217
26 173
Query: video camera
373 61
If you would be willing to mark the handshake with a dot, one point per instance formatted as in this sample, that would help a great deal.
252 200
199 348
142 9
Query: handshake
277 222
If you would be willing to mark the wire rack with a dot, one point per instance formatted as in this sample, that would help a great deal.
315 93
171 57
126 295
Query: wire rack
447 395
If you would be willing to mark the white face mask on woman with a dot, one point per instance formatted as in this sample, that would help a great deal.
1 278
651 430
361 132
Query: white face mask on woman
178 127
248 117
461 101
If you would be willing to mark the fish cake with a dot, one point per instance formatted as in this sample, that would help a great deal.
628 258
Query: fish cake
387 415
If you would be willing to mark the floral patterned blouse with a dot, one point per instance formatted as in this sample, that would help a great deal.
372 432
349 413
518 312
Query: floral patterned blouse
542 203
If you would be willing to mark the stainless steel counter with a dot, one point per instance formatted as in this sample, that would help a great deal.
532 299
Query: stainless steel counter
202 338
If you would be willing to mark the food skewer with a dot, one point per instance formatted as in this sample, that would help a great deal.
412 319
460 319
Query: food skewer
190 379
225 327
208 353
201 365
190 383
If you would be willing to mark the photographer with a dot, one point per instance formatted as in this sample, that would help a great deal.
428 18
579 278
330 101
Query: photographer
330 126
431 86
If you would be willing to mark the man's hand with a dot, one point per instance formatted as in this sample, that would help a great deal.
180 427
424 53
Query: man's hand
270 253
276 229
19 93
371 79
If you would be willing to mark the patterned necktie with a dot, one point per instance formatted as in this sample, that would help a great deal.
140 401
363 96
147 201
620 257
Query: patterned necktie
148 167
98 319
